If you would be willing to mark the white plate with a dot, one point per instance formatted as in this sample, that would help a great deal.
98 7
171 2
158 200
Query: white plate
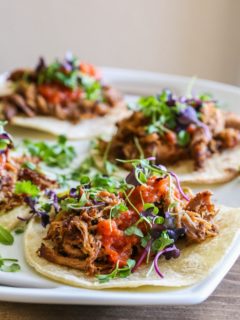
27 286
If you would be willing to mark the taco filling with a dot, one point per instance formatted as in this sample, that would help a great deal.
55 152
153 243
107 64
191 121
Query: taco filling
108 228
19 178
67 90
174 128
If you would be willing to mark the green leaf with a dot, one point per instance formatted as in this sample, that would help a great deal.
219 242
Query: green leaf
9 265
206 96
131 263
183 138
5 236
54 155
118 272
77 204
84 169
102 278
26 187
162 242
147 206
20 230
144 240
159 220
117 209
134 230
92 88
85 180
3 144
29 165
109 167
14 267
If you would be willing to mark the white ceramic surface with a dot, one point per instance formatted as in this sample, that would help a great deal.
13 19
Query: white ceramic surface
27 286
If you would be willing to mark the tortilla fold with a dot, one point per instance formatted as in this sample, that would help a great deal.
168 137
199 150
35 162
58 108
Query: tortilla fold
195 263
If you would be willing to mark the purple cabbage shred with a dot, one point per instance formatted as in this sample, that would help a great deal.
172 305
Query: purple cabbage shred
175 252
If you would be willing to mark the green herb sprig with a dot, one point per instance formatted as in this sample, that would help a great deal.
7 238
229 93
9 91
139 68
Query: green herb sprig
26 187
59 154
118 272
6 236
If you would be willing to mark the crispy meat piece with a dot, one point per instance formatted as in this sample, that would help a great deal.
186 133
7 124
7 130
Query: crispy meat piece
197 218
228 138
232 120
202 203
9 110
213 117
53 256
20 102
123 145
74 245
37 178
72 239
199 147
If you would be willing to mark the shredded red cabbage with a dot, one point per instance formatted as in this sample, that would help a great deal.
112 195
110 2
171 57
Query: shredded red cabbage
32 202
151 158
188 116
179 185
143 256
164 251
175 234
6 136
53 196
73 193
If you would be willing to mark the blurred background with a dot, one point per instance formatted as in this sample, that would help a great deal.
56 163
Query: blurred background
186 37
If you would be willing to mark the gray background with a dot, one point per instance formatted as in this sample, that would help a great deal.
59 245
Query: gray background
187 37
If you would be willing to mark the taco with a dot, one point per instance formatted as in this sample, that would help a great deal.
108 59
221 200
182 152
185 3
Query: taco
19 183
62 98
192 136
144 230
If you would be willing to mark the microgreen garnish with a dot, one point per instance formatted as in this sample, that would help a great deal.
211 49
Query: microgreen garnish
59 154
151 206
9 265
183 138
75 204
5 139
29 165
161 242
134 230
55 73
26 187
92 88
118 272
84 169
167 112
117 210
68 74
6 236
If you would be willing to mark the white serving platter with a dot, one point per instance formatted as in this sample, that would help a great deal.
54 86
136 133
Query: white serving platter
28 286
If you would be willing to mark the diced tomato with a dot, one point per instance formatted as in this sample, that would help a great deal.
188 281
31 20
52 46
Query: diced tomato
90 70
56 94
171 137
152 192
191 128
117 245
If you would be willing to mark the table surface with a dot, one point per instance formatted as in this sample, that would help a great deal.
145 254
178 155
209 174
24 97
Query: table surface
223 304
